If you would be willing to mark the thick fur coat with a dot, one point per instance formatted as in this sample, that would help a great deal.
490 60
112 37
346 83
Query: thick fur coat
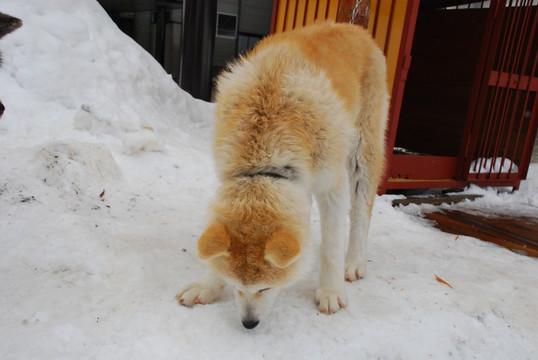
302 114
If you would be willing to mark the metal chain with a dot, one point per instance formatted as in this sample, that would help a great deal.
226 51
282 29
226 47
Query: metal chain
355 11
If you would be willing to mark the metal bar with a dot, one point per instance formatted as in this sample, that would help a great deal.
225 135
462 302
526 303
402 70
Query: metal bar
498 110
531 132
531 135
514 74
513 81
516 49
502 176
494 108
520 47
491 111
479 91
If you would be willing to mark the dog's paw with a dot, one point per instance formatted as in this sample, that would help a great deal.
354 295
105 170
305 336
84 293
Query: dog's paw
354 272
197 293
330 302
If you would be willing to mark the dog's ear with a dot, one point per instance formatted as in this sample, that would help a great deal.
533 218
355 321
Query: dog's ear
282 249
214 242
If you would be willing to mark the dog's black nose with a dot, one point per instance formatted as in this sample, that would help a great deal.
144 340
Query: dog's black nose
250 324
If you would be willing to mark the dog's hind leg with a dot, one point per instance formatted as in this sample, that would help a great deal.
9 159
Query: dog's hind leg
362 198
366 163
203 292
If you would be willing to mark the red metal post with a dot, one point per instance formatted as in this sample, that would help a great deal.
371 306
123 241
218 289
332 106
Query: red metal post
402 67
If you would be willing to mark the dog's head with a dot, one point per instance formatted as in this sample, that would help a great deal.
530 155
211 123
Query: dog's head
256 250
255 265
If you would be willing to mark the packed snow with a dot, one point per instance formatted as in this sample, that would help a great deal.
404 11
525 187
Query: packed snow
106 173
493 165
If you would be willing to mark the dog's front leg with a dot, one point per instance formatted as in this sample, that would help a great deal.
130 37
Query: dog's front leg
331 294
203 292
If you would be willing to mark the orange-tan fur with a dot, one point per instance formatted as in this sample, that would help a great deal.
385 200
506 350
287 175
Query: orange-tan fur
310 105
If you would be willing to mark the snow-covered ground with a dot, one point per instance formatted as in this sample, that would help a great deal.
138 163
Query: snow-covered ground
105 176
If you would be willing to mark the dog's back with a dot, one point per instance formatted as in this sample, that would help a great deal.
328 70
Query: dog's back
345 53
308 84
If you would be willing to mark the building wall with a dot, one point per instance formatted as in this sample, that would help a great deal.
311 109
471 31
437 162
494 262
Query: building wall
224 46
254 22
255 17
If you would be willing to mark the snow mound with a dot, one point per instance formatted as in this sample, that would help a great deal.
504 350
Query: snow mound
75 165
134 140
74 71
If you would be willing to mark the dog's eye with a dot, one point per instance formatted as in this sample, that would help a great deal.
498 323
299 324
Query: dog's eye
262 290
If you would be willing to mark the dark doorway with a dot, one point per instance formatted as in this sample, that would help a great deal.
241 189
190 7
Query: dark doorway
446 48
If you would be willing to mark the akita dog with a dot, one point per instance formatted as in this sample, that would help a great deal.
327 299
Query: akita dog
304 113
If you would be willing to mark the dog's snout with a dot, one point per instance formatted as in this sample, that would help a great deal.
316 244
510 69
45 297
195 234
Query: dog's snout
250 323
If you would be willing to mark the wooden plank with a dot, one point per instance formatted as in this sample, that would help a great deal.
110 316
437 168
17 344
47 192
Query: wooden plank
332 11
434 200
311 12
281 11
300 14
519 234
382 16
322 9
394 35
